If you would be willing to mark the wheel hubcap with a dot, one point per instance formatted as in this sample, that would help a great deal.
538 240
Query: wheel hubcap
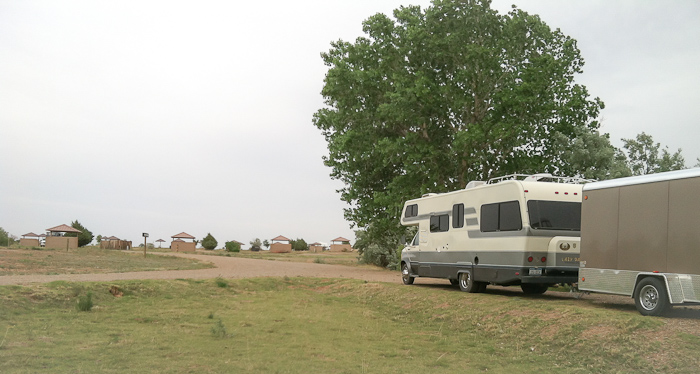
649 297
464 280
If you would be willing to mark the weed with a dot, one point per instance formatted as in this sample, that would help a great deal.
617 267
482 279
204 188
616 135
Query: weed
211 315
221 282
319 260
85 303
219 330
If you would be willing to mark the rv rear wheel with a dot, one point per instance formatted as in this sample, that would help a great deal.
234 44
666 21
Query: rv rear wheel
467 284
650 297
405 274
534 288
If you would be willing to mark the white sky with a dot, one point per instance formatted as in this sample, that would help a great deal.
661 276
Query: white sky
169 116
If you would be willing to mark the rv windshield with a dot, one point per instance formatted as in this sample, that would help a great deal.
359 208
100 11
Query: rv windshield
554 215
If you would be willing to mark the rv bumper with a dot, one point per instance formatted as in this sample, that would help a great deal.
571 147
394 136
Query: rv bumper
551 276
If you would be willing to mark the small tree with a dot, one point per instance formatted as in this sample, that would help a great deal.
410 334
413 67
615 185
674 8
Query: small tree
209 242
99 239
256 245
299 245
84 238
266 243
4 237
233 246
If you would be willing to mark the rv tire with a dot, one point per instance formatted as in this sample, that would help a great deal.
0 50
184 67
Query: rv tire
534 288
467 284
406 274
650 297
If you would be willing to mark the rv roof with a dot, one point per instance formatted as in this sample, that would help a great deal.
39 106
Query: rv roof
542 177
642 179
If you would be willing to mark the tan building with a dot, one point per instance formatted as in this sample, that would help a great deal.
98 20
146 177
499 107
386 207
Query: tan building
280 244
341 244
317 247
56 239
27 241
180 245
112 242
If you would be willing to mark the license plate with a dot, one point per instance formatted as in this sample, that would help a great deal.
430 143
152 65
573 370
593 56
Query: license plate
535 271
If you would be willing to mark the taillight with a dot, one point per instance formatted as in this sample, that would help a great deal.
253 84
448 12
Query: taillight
529 259
544 259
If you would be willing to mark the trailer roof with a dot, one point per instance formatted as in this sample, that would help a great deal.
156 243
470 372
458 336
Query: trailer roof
643 179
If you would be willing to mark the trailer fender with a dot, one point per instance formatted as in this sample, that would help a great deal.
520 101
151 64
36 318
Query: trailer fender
660 276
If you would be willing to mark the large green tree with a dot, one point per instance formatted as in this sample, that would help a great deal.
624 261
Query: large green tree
85 237
434 98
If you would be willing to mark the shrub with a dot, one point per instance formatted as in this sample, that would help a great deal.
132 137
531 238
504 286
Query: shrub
221 282
85 236
85 303
386 257
209 242
219 330
299 245
233 246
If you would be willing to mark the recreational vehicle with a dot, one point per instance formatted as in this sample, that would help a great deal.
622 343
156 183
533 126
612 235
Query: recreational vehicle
515 230
640 237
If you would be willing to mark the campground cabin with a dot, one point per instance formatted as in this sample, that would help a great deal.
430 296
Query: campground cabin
639 238
515 230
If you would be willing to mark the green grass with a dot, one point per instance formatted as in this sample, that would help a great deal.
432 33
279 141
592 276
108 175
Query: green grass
88 260
305 325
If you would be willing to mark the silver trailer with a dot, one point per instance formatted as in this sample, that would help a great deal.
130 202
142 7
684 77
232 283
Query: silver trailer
515 230
640 237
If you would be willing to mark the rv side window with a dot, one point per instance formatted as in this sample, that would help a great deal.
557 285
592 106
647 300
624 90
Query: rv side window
439 223
501 217
411 210
416 239
458 216
554 215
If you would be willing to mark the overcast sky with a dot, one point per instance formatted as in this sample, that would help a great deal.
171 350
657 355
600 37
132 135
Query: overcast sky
168 116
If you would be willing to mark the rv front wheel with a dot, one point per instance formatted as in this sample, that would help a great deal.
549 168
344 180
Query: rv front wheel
650 297
405 274
467 284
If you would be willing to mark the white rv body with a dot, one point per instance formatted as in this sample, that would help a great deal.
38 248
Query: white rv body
505 232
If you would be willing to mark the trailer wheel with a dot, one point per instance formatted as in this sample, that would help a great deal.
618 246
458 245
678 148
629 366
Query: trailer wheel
467 284
650 297
534 288
406 275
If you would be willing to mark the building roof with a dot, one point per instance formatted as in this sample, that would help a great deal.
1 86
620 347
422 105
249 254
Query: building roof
178 240
110 238
63 228
316 243
160 240
340 239
183 235
281 239
31 234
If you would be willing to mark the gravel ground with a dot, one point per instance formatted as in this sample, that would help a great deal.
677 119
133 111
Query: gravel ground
235 267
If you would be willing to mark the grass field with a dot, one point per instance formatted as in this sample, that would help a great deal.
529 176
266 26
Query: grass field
305 325
87 260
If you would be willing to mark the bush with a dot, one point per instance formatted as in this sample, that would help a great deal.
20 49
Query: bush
219 330
299 245
85 303
385 257
233 247
209 242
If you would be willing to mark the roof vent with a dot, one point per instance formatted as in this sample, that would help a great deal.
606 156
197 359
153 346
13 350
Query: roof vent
543 177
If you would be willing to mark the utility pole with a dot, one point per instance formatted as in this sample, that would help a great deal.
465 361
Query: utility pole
145 244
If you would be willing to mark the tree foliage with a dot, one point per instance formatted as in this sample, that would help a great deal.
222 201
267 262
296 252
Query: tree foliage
299 245
435 98
646 157
4 237
209 242
233 246
84 238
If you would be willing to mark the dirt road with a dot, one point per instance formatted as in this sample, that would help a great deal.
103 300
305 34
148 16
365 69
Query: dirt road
226 267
